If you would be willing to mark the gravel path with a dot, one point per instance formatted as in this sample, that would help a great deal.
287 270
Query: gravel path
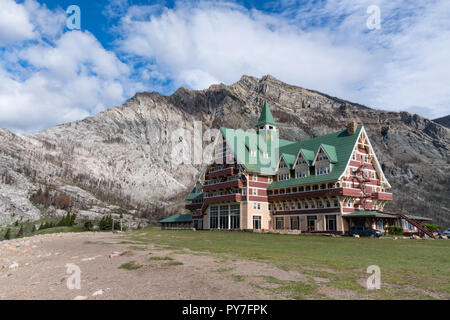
36 268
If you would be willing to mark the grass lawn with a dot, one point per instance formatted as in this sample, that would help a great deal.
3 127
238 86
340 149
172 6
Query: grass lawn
410 269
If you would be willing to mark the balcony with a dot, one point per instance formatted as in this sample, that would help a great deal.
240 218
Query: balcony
323 193
383 196
236 183
236 197
221 172
193 206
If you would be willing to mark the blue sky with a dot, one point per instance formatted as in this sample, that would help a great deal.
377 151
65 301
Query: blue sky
51 75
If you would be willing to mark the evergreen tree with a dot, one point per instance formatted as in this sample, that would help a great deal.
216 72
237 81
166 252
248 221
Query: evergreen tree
16 224
72 219
8 234
20 233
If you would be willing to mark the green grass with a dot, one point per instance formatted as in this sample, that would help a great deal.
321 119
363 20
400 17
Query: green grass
58 230
421 265
130 266
173 263
160 258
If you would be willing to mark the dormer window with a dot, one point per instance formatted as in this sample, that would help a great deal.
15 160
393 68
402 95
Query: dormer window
322 170
253 153
354 156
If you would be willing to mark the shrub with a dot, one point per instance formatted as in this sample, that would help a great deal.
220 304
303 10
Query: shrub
106 223
433 227
88 225
394 230
8 234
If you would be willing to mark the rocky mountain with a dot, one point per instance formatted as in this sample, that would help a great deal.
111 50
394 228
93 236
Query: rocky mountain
445 121
121 158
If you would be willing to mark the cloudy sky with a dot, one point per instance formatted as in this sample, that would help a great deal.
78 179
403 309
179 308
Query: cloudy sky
51 74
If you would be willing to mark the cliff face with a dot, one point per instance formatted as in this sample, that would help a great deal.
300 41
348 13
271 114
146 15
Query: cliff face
124 154
444 121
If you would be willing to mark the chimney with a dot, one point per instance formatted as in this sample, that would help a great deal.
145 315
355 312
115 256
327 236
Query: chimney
351 127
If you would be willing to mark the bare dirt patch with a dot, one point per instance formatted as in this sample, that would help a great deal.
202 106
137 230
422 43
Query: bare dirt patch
111 268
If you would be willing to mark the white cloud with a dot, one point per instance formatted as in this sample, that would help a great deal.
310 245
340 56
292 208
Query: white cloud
67 77
324 46
15 25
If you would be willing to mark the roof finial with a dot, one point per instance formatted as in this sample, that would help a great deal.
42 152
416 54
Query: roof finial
266 116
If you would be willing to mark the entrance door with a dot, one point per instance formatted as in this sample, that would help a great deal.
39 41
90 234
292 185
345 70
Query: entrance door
257 222
311 223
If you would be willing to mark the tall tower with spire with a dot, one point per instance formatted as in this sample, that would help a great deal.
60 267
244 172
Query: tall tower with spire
266 123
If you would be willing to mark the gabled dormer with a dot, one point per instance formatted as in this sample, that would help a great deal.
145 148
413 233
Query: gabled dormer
324 158
283 169
302 163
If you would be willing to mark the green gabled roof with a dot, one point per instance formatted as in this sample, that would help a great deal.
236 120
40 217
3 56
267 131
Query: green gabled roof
266 116
330 151
376 214
178 218
308 155
366 213
289 159
342 146
419 218
193 195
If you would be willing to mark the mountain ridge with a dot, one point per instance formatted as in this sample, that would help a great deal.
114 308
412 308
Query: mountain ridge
122 154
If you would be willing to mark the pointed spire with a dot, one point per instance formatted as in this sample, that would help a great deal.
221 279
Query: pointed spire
266 116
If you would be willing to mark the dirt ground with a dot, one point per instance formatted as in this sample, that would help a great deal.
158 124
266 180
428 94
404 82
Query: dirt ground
36 268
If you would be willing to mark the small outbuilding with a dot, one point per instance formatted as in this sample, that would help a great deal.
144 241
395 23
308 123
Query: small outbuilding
177 221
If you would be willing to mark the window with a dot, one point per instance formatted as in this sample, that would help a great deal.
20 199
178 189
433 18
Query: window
255 178
283 176
313 205
235 216
270 179
295 223
254 192
336 203
253 153
373 175
279 223
299 205
320 204
256 206
244 191
354 156
223 217
257 222
301 174
306 204
311 223
331 223
328 204
349 203
292 205
380 224
213 217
